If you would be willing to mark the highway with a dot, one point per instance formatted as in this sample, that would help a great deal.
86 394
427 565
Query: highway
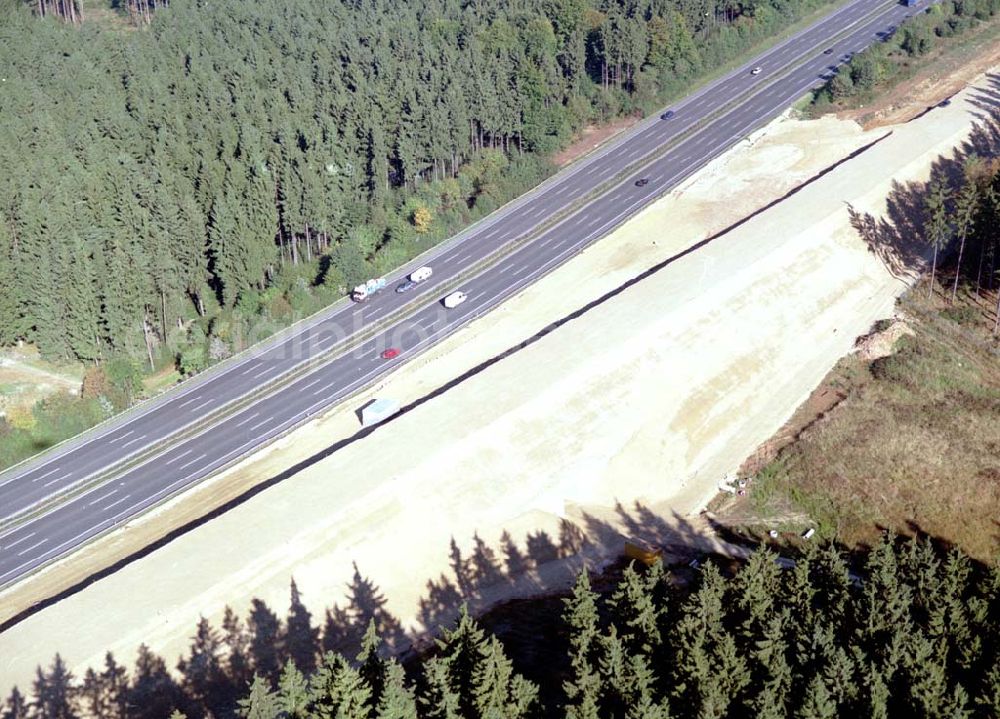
589 199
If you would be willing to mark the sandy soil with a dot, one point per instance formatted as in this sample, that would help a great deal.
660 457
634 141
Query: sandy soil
590 138
616 424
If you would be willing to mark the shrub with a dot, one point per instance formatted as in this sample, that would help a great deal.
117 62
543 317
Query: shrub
95 383
192 360
126 378
422 219
21 417
963 315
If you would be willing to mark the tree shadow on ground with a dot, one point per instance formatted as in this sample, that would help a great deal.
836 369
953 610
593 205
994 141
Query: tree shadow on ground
219 664
899 239
986 99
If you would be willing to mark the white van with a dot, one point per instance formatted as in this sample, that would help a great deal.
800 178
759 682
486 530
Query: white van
421 273
454 299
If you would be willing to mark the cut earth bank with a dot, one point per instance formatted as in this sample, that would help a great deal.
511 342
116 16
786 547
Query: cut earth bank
619 423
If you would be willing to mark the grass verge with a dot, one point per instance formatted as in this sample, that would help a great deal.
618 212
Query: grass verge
914 446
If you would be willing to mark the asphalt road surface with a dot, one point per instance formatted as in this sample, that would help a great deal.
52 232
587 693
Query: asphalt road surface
703 126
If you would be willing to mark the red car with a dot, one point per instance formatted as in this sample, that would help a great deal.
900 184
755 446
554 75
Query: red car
390 353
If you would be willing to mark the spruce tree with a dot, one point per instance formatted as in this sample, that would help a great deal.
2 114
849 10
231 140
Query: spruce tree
635 611
938 226
293 692
438 698
500 693
338 690
371 666
261 702
397 701
583 689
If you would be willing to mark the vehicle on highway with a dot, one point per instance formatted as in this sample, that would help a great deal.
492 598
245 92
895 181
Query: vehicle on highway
421 273
828 51
406 286
755 71
667 115
368 289
454 299
642 182
391 353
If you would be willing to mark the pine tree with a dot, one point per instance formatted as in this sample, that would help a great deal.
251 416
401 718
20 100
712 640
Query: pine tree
771 667
397 700
938 226
645 704
613 667
438 699
338 690
989 699
261 703
500 693
875 694
698 636
634 609
628 681
584 689
965 212
831 584
756 587
885 615
293 692
371 666
817 702
12 325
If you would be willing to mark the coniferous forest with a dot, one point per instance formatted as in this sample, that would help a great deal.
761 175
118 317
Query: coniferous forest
180 175
906 631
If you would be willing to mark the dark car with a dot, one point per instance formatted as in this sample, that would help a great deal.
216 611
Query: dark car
406 286
390 353
642 183
828 51
667 115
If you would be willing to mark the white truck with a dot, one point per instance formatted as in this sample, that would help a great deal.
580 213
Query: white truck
368 289
454 299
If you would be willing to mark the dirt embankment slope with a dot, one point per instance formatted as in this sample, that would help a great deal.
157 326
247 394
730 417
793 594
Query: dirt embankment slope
617 423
